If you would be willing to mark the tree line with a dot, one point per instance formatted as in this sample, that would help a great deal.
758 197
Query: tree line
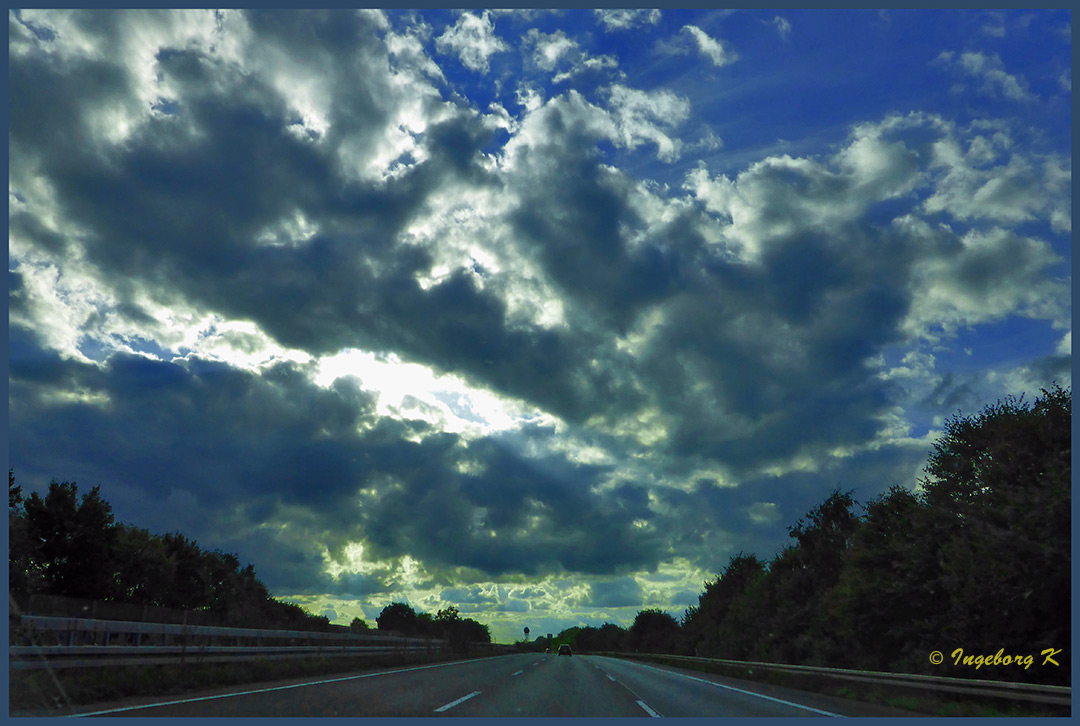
66 545
976 558
448 623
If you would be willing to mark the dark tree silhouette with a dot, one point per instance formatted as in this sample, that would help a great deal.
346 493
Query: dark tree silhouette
72 542
701 634
398 617
654 631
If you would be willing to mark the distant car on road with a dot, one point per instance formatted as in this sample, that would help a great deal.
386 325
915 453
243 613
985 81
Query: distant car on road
564 649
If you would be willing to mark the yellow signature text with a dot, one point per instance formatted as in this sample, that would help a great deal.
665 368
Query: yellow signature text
1000 659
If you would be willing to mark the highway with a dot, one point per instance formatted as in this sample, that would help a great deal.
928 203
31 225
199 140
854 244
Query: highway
524 684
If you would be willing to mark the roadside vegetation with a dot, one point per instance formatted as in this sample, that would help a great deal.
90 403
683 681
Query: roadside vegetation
68 546
65 546
399 617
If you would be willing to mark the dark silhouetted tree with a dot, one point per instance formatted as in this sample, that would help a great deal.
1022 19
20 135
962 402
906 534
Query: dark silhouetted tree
398 617
654 631
889 604
701 623
72 541
1002 481
20 546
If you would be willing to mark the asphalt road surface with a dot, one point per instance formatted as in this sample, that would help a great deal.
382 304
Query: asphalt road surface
522 684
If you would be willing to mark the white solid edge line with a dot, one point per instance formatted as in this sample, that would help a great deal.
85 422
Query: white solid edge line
749 693
648 710
275 688
637 698
454 703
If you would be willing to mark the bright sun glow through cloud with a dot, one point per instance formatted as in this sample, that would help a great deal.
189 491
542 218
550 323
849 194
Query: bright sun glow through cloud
411 390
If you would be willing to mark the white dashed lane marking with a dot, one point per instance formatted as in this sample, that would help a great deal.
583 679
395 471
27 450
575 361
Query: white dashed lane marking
648 710
454 703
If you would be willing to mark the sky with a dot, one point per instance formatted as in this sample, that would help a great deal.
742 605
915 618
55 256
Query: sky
540 314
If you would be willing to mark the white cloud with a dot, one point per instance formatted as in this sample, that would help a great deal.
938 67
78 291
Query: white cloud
977 278
709 141
588 63
556 50
763 512
969 174
1027 379
132 40
711 48
626 19
779 195
414 391
1021 189
473 39
783 26
640 116
548 48
633 117
990 70
407 50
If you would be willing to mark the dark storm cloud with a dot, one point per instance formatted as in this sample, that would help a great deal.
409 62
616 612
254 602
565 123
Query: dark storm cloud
251 449
576 216
544 513
274 435
621 593
347 585
758 352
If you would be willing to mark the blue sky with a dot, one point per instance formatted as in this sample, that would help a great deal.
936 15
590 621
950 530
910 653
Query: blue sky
542 314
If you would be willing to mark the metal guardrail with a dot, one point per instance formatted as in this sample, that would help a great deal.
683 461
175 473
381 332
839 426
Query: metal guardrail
94 643
1059 695
88 627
